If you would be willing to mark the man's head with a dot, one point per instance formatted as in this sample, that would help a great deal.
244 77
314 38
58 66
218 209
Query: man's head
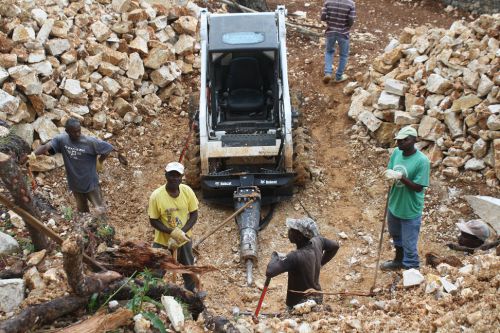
73 129
173 173
301 230
406 138
473 233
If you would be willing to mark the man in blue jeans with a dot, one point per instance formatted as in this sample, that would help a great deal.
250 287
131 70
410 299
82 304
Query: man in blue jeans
409 168
339 16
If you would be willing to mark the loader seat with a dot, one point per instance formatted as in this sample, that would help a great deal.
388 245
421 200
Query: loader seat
245 91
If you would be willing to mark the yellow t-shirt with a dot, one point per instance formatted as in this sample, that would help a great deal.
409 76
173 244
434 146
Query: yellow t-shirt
172 212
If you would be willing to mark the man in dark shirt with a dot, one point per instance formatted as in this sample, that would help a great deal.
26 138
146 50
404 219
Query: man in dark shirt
304 264
83 156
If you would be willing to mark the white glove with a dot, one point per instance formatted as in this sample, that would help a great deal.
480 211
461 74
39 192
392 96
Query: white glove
392 174
32 157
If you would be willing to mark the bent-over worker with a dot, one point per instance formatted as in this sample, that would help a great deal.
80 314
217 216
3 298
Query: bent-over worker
304 264
173 211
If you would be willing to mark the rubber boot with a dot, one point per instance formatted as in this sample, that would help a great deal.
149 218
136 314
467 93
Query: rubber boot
396 263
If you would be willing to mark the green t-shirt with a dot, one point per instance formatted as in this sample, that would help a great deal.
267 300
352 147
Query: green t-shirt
405 203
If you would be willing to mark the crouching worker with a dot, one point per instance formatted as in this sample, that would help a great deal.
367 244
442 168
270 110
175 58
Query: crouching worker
473 235
173 211
304 264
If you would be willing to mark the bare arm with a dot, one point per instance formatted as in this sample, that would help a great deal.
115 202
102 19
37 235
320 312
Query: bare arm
411 185
156 223
330 249
193 217
43 149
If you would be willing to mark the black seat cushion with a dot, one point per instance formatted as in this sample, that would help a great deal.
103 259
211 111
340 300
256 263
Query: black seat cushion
244 85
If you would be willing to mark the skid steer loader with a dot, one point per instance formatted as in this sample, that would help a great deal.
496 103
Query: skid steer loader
246 147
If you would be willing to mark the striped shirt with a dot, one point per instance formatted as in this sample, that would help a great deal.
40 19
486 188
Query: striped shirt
336 14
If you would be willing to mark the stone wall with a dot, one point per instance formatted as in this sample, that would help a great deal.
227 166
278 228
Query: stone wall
476 6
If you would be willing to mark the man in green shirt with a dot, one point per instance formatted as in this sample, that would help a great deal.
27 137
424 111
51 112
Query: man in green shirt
409 168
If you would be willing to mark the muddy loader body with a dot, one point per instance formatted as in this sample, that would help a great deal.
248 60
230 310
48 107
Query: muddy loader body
245 140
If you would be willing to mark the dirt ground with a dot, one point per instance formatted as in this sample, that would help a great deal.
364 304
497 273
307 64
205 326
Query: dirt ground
348 195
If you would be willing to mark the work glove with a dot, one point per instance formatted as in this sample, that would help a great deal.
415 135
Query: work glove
172 244
392 174
32 157
99 166
179 236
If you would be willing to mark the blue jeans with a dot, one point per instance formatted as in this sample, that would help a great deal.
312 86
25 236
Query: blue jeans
404 233
343 42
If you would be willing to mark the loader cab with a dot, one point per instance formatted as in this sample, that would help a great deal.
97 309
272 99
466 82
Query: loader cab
243 73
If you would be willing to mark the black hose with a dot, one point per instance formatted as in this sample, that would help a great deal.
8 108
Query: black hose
265 221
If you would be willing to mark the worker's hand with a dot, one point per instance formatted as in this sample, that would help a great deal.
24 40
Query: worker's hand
392 174
172 244
179 236
32 157
99 166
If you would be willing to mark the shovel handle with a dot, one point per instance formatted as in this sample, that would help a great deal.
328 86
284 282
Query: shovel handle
264 290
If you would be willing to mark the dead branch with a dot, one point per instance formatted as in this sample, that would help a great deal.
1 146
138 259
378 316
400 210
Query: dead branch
294 26
101 322
15 182
41 229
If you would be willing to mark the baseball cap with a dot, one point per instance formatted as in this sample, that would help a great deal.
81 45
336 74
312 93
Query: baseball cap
476 228
305 225
405 132
175 166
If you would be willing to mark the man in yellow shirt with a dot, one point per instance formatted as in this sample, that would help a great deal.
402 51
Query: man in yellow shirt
173 211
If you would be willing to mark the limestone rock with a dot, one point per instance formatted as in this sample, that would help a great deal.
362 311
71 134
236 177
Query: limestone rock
45 128
166 74
60 29
29 84
174 312
23 34
465 102
121 6
388 101
485 85
33 279
403 118
25 131
454 123
110 85
11 294
475 164
395 87
72 89
386 132
8 245
184 45
369 120
158 57
493 122
44 32
100 31
480 148
487 208
453 161
139 44
412 277
8 103
496 155
186 25
136 66
36 257
57 46
360 102
4 75
437 84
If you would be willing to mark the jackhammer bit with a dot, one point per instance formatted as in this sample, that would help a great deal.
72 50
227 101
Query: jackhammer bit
248 224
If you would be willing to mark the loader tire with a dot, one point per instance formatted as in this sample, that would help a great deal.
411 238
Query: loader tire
192 165
302 155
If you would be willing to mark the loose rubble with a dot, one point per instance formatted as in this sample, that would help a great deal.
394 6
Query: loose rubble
109 64
446 83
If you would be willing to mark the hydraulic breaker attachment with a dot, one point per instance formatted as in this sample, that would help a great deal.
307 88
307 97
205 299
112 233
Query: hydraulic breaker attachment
248 224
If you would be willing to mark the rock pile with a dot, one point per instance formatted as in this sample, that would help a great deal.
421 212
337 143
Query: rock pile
445 83
108 63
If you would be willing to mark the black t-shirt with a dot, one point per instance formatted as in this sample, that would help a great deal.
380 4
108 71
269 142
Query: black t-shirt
303 266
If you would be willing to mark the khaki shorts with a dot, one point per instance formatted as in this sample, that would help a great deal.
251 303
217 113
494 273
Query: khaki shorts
94 196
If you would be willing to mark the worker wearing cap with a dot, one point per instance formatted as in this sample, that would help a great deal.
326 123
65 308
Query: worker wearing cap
173 211
303 265
409 169
473 235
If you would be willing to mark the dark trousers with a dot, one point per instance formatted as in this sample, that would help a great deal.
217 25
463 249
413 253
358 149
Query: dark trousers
185 257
